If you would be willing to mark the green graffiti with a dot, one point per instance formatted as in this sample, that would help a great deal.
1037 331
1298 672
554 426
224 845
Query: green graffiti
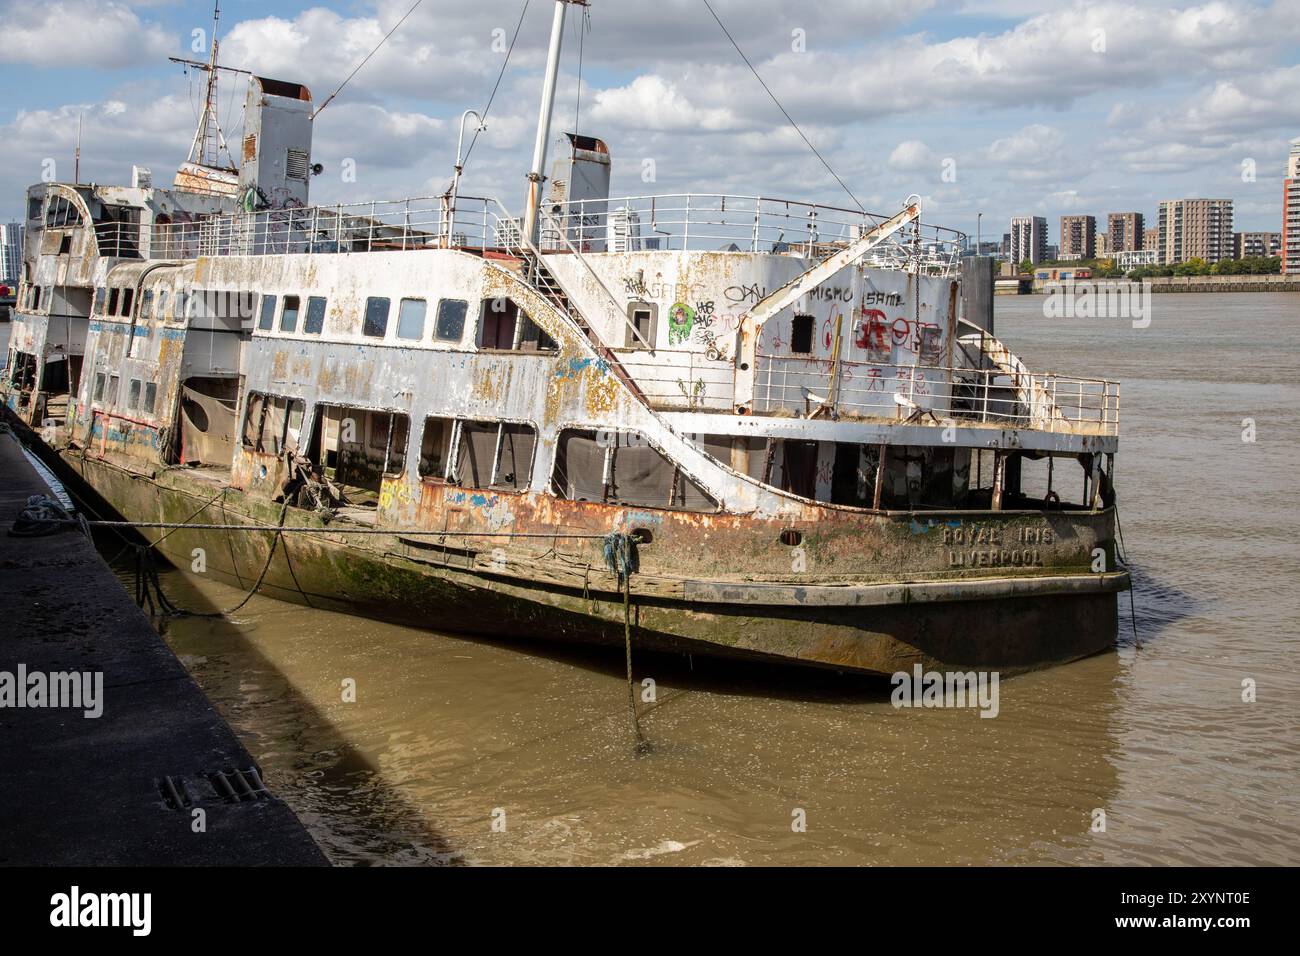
680 319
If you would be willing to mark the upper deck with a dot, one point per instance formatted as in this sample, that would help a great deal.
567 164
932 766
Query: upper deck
691 269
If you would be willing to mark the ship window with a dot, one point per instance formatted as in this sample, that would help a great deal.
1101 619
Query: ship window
128 299
410 319
101 295
435 447
801 334
644 317
267 319
499 318
36 300
494 455
272 423
112 302
162 304
315 315
622 468
100 379
496 323
111 398
179 303
150 396
133 394
289 315
376 321
450 326
387 436
34 207
146 304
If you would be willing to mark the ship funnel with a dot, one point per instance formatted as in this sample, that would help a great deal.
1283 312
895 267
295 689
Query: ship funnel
275 166
577 200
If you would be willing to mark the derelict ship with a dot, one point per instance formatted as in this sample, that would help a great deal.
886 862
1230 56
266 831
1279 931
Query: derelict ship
799 412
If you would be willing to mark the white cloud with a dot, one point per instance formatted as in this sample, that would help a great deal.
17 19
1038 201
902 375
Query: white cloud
80 33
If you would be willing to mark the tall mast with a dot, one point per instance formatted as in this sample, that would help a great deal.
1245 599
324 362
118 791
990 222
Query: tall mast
536 176
209 142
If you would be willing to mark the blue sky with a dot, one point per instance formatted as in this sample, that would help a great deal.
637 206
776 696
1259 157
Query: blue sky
996 106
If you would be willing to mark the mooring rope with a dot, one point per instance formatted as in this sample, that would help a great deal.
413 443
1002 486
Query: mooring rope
1132 605
621 557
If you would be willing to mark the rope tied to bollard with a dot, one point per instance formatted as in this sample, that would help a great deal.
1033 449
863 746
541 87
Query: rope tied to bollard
622 558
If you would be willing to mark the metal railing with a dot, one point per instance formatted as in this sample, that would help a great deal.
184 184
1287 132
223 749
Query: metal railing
420 223
713 222
930 393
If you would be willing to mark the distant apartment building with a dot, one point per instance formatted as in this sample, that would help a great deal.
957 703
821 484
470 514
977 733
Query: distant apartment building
11 253
1151 238
1104 248
1125 231
1028 239
1078 237
1256 244
1291 213
1127 259
1195 229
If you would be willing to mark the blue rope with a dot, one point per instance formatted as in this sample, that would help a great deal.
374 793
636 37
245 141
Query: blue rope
621 555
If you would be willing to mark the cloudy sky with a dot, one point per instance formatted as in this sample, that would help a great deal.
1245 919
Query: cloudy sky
1003 107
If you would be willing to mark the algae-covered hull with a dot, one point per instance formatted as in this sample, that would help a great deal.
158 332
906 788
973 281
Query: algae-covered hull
1008 624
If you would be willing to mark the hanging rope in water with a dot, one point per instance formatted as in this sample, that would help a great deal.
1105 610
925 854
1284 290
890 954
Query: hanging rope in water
1132 605
148 587
622 559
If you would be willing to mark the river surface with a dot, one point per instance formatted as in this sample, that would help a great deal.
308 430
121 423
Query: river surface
466 751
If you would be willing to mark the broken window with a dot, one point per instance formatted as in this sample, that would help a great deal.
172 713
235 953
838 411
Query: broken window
503 325
358 447
289 314
273 423
146 304
644 317
128 298
266 321
435 447
801 334
376 320
111 398
180 303
315 315
112 302
150 396
133 394
410 319
450 326
494 454
622 468
101 296
100 380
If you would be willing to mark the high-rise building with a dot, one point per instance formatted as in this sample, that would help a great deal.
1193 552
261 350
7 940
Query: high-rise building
1125 230
1151 238
1028 239
1078 237
11 253
1195 229
1104 250
1256 244
1291 212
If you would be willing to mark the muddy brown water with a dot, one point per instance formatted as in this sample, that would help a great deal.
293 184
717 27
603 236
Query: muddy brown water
449 736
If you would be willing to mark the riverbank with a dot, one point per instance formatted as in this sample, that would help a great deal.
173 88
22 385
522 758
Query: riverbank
1267 283
129 768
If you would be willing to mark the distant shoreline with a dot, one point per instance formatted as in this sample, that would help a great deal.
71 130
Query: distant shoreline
1266 283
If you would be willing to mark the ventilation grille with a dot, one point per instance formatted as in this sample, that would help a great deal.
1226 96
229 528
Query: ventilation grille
295 165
